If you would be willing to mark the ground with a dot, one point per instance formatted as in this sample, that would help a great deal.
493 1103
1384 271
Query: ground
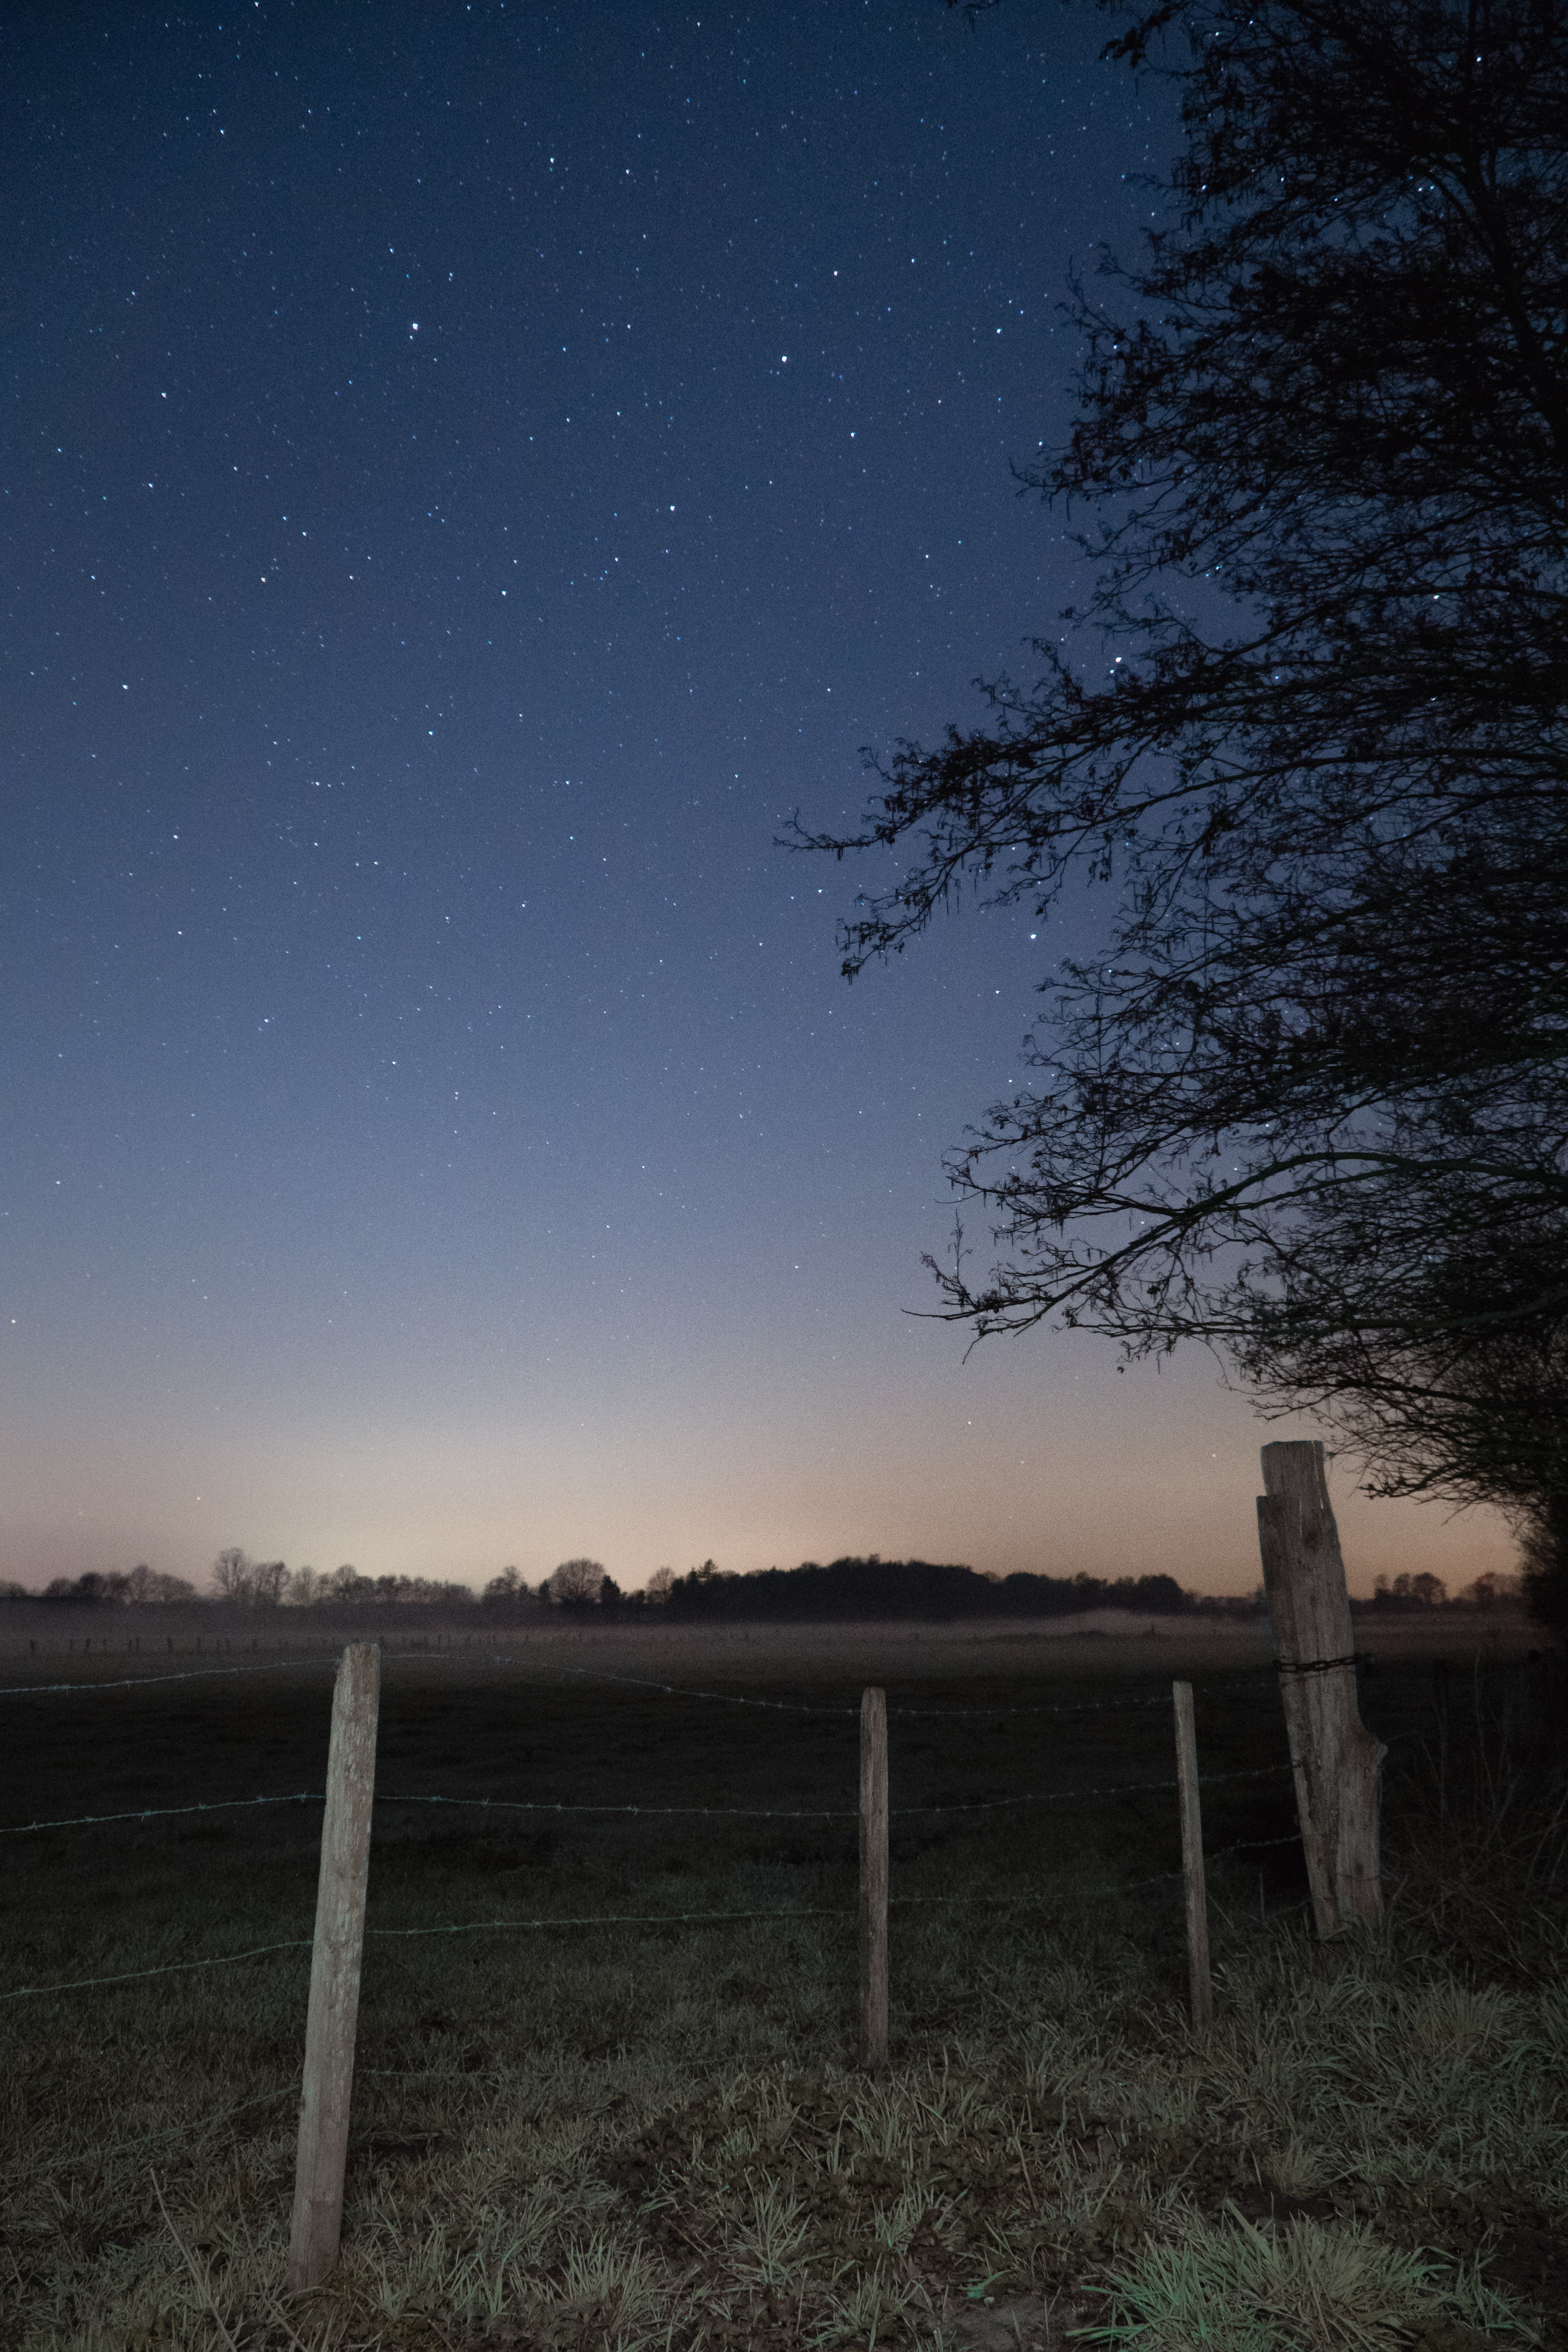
652 2132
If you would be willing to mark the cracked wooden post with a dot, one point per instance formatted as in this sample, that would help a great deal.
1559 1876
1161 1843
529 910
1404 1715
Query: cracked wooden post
1335 1759
873 1880
335 1970
1200 1978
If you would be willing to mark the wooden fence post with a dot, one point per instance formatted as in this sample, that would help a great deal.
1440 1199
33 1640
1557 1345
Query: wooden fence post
1200 1979
873 1879
335 1970
1336 1761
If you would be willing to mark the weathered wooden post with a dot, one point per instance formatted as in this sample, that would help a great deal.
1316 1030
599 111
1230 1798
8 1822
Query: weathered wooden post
873 1879
335 1970
1200 1979
1336 1761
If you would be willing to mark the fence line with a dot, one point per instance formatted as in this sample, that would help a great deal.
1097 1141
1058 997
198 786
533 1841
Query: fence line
646 1919
831 1813
1115 1789
711 1812
596 1919
704 1813
721 1698
619 1919
1248 1845
196 1674
797 1707
265 1667
1085 1706
1076 1796
662 1919
638 1682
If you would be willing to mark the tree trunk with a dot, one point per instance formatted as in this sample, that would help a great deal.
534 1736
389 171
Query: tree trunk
1336 1761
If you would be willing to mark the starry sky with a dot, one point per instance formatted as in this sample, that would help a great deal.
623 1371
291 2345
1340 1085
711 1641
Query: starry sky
472 472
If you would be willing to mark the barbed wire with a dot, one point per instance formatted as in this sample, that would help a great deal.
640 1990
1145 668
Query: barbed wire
1074 1893
306 1943
618 1919
1091 1706
702 1812
161 1813
1075 1796
101 2156
829 1813
168 1968
195 1674
721 1698
715 1813
1270 1678
798 1707
263 1667
1086 1706
640 1682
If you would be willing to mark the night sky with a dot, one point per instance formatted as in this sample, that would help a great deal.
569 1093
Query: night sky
471 473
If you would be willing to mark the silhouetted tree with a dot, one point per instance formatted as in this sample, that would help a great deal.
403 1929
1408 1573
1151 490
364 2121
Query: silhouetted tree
1421 1590
575 1583
1310 727
255 1582
1434 1339
268 1583
232 1572
94 1586
148 1584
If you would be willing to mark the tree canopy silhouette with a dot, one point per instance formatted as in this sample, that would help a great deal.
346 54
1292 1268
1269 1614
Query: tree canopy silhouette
1309 731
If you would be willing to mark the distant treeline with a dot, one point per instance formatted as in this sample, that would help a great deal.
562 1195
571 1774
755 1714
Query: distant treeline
911 1587
846 1589
1410 1595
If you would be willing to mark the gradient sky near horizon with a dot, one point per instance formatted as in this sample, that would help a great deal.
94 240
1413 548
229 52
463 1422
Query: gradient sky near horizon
472 472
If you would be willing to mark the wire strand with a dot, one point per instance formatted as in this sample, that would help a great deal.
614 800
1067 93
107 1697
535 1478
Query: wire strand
196 1674
162 1812
615 1920
714 1812
638 1919
170 1969
703 1813
721 1698
1076 1796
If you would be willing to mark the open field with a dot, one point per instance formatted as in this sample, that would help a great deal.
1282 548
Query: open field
651 2133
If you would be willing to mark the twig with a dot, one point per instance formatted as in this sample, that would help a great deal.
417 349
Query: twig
705 2252
1023 2167
282 2317
203 2282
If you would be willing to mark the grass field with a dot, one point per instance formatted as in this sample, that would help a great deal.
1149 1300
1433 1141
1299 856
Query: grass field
652 2134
